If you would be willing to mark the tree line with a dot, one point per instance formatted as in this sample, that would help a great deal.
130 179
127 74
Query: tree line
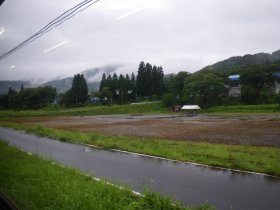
209 88
148 83
205 88
35 98
29 98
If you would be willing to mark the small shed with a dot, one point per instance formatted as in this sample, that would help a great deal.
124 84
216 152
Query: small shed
191 109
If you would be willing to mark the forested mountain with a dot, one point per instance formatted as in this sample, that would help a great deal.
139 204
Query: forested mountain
16 85
240 62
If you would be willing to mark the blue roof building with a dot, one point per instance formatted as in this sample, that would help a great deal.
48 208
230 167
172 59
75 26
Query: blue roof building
277 82
234 77
234 86
276 75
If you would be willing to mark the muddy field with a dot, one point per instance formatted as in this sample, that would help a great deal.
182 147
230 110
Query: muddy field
248 130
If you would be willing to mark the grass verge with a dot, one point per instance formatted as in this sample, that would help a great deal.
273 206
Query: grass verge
33 183
244 109
249 158
151 108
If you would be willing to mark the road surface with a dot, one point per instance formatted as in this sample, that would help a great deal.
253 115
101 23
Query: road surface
191 184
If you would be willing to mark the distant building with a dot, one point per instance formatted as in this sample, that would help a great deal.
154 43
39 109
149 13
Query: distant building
277 82
93 100
234 86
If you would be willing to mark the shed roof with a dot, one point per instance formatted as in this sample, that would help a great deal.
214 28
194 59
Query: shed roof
190 107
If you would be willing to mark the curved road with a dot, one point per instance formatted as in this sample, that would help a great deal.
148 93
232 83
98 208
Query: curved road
188 183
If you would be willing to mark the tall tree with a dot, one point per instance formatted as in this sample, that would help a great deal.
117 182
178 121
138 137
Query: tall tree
178 82
157 80
79 89
122 91
115 86
256 80
207 85
109 82
103 82
132 87
140 80
12 98
148 89
11 92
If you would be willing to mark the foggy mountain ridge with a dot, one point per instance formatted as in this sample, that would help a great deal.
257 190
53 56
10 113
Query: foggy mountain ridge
93 77
6 84
244 61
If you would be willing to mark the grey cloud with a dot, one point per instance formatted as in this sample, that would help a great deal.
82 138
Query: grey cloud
179 35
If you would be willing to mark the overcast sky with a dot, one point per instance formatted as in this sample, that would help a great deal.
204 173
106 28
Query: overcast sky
176 34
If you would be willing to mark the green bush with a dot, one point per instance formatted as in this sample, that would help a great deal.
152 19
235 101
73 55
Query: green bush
168 100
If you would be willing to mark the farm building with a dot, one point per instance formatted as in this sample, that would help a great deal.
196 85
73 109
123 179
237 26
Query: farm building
234 86
277 82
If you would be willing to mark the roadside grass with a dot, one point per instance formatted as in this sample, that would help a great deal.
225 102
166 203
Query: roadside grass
242 157
148 108
244 109
34 183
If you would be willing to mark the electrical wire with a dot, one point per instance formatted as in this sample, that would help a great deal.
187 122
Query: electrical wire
48 28
44 29
51 25
57 21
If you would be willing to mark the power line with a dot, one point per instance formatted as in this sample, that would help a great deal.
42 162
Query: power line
43 30
54 23
51 25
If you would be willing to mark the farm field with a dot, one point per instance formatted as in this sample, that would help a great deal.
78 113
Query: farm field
255 130
248 142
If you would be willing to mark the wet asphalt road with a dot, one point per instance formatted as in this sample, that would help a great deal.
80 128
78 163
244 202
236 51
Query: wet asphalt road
188 183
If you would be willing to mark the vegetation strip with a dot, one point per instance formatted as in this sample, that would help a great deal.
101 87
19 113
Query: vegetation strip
148 108
197 164
34 183
141 108
239 157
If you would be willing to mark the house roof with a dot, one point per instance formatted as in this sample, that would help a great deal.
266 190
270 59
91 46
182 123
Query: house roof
190 107
234 77
276 75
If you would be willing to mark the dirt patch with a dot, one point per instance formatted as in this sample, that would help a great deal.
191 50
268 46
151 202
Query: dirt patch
246 130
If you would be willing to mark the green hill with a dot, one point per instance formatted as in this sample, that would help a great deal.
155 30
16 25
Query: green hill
238 63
